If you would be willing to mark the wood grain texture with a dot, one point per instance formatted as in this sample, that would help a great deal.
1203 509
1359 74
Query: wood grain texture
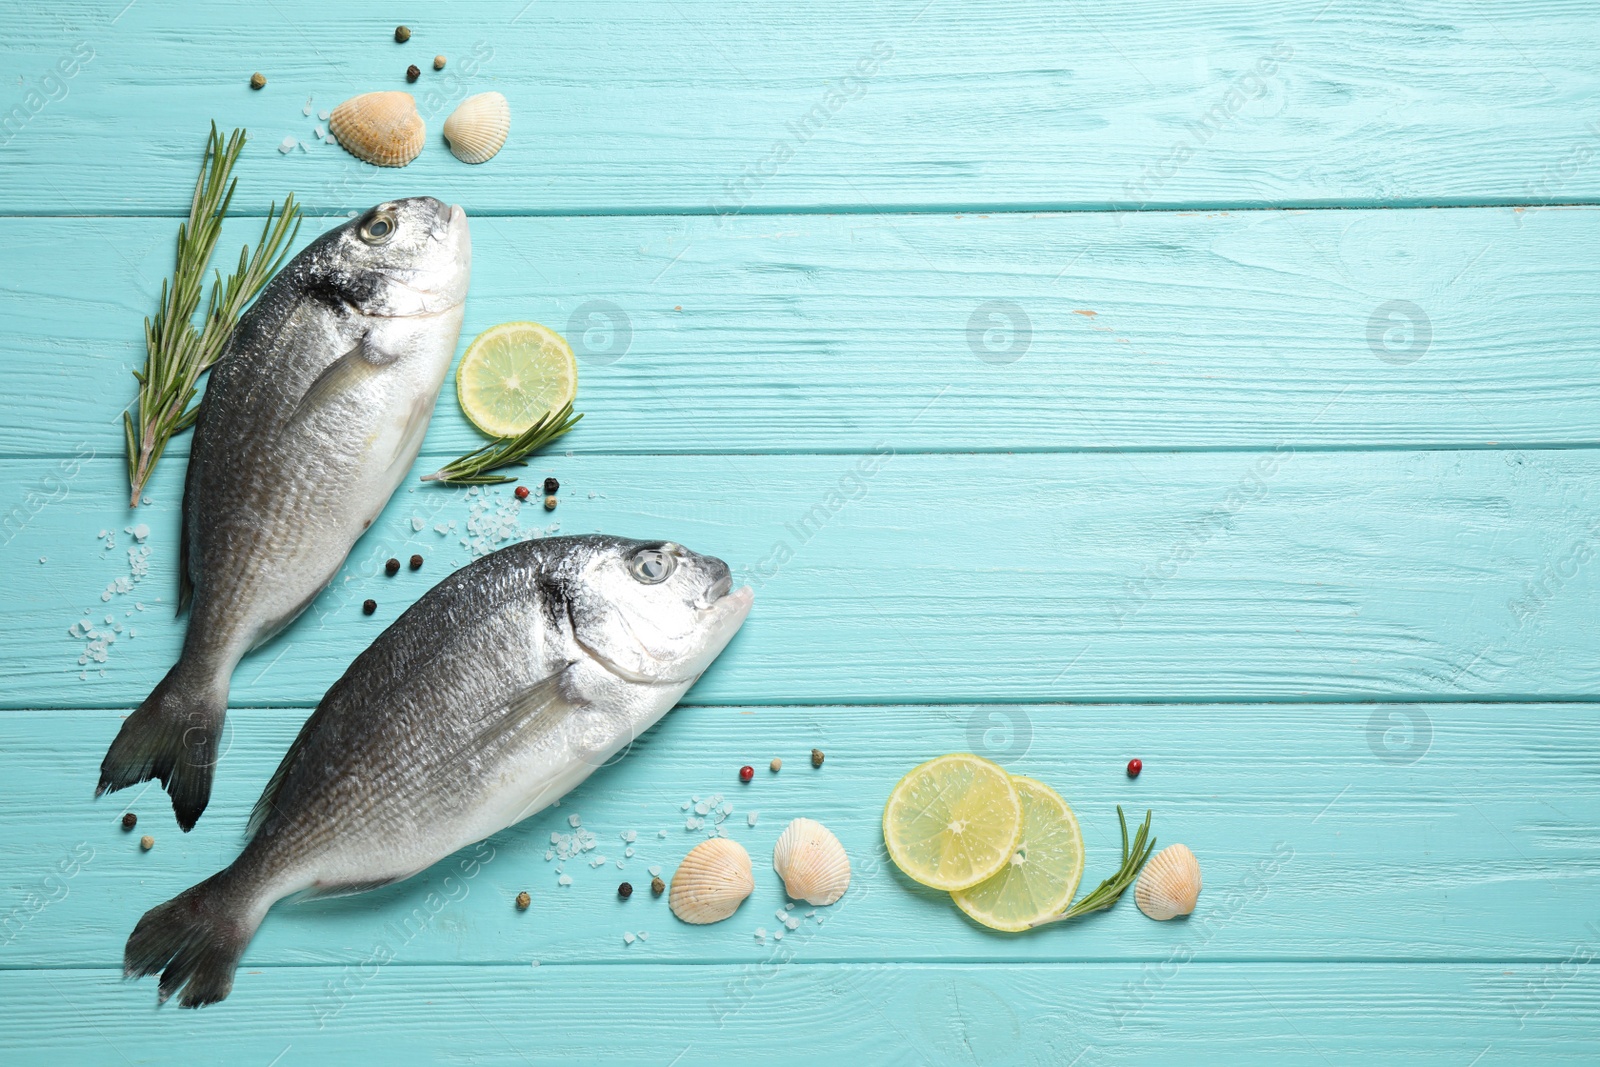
943 578
960 1013
1372 832
699 106
825 334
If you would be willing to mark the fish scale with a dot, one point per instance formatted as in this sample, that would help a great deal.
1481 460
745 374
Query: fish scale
309 422
492 696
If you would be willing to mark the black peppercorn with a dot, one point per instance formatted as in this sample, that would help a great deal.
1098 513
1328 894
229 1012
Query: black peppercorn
392 567
129 821
551 486
416 563
413 73
368 607
625 890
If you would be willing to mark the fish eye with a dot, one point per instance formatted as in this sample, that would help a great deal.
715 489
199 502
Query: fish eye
652 566
378 229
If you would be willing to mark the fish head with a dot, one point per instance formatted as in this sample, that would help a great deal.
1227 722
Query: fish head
654 612
398 259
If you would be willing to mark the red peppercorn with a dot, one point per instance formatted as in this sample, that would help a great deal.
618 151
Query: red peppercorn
521 492
1134 767
746 773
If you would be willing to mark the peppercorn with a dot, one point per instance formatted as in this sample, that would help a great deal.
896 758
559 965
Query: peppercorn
416 563
625 890
147 842
368 607
392 567
776 765
1134 767
549 503
258 80
657 886
520 492
438 62
552 486
523 900
129 821
413 73
402 34
816 757
746 773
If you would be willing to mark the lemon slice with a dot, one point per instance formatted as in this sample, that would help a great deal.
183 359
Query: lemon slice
953 821
1042 874
512 375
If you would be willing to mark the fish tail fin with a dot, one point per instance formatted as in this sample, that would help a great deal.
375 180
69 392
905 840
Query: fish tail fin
194 940
171 736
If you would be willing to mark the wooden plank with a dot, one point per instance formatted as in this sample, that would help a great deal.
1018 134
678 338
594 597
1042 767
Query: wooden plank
827 334
704 107
914 578
1442 832
957 1013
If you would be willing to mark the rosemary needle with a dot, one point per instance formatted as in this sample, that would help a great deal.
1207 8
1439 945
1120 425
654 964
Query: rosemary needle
475 467
1109 891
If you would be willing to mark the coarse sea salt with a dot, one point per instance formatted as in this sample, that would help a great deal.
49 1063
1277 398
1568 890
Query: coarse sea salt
287 145
655 871
574 820
751 817
627 937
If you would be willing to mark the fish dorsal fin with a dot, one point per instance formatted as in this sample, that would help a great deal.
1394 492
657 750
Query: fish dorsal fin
269 796
341 376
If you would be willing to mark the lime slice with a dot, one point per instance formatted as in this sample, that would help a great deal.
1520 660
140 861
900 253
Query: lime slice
512 375
953 821
1043 872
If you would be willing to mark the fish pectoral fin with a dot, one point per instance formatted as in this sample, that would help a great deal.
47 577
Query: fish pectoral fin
546 701
342 376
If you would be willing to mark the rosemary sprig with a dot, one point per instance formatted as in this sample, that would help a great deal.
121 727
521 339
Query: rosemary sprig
176 354
474 467
1108 891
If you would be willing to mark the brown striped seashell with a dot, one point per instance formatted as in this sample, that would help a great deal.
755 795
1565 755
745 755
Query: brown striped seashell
381 128
1169 885
811 862
711 882
478 128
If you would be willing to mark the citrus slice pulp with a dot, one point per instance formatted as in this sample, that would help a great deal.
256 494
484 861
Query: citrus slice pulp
1042 873
512 375
953 821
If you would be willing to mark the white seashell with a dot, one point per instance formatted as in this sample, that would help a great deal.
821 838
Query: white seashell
1169 885
711 882
811 862
381 128
478 128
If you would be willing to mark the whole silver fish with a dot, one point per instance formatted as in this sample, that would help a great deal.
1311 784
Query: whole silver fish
310 421
501 689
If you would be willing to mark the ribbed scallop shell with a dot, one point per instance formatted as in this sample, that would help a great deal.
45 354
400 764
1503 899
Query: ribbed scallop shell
1169 885
811 862
711 882
478 128
381 128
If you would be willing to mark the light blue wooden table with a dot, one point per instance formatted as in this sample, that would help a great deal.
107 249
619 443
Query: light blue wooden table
1214 384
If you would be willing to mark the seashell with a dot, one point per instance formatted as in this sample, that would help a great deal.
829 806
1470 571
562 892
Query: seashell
711 882
381 128
811 862
1169 885
478 128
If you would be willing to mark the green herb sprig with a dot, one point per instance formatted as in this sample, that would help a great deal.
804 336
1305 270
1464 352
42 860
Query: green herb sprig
176 353
474 468
1109 891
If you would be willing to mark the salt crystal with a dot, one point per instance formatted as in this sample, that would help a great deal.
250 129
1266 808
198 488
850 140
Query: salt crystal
565 879
750 818
619 865
717 799
416 523
325 116
644 935
627 852
781 914
628 938
701 808
685 806
661 833
287 145
655 872
761 933
810 913
574 820
140 532
307 109
549 854
41 559
691 824
629 836
777 935
789 906
102 533
792 923
555 838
